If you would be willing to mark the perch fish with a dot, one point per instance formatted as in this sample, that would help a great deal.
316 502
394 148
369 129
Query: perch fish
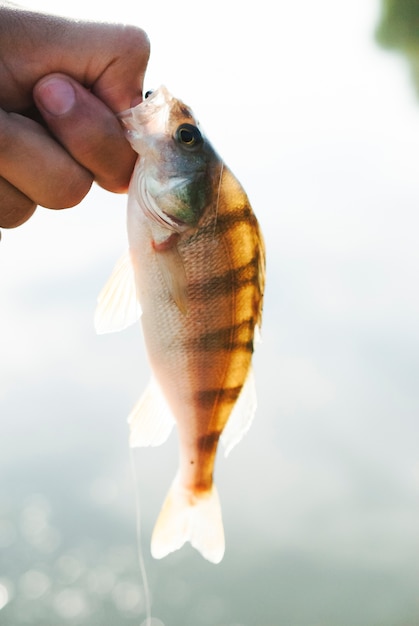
196 269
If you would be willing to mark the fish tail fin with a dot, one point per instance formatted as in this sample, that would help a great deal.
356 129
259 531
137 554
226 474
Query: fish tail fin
189 516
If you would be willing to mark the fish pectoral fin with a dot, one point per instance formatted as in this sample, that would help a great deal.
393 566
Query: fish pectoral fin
117 306
173 272
188 516
150 420
241 416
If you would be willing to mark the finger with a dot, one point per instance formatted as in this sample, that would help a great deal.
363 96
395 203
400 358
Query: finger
33 162
88 130
109 59
15 207
120 83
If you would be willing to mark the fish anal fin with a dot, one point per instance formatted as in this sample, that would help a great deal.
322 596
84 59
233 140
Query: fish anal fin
117 305
188 516
241 416
150 420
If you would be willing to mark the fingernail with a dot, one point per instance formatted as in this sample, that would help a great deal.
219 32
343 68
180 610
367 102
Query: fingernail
56 95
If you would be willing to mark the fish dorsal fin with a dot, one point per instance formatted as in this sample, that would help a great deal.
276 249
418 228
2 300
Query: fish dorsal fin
174 275
151 420
241 416
117 306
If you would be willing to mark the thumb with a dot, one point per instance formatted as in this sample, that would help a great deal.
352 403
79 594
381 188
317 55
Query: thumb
87 129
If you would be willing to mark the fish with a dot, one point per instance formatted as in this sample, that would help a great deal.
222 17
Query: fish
195 274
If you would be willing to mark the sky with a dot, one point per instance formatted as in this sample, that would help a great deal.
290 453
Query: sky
320 500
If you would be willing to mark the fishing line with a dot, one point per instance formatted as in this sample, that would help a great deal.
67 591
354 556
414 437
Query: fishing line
144 579
218 197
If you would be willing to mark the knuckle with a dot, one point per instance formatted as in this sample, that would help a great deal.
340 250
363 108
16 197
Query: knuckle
7 134
15 207
36 170
137 42
70 191
115 185
116 173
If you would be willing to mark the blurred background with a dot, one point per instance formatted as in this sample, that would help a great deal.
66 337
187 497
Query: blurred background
314 106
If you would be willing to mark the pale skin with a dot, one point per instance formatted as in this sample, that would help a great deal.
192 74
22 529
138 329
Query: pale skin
61 84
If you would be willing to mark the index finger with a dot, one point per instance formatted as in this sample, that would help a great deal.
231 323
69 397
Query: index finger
120 84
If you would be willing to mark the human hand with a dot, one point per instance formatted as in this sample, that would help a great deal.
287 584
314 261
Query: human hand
61 83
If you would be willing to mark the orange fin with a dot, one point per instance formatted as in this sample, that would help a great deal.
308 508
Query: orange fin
241 416
188 516
117 306
151 420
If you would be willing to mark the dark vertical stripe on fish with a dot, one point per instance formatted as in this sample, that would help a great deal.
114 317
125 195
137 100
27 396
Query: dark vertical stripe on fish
236 278
236 337
220 224
208 442
209 397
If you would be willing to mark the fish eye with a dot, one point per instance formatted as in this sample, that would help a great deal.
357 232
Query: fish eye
148 93
189 136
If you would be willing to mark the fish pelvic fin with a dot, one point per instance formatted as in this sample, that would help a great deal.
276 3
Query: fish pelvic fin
117 304
150 420
173 272
189 516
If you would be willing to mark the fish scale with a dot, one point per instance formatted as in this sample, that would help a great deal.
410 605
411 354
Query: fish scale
199 275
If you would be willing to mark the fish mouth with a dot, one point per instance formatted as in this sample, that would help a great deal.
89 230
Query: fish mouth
149 117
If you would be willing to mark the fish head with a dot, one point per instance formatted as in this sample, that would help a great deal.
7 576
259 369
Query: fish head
178 172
